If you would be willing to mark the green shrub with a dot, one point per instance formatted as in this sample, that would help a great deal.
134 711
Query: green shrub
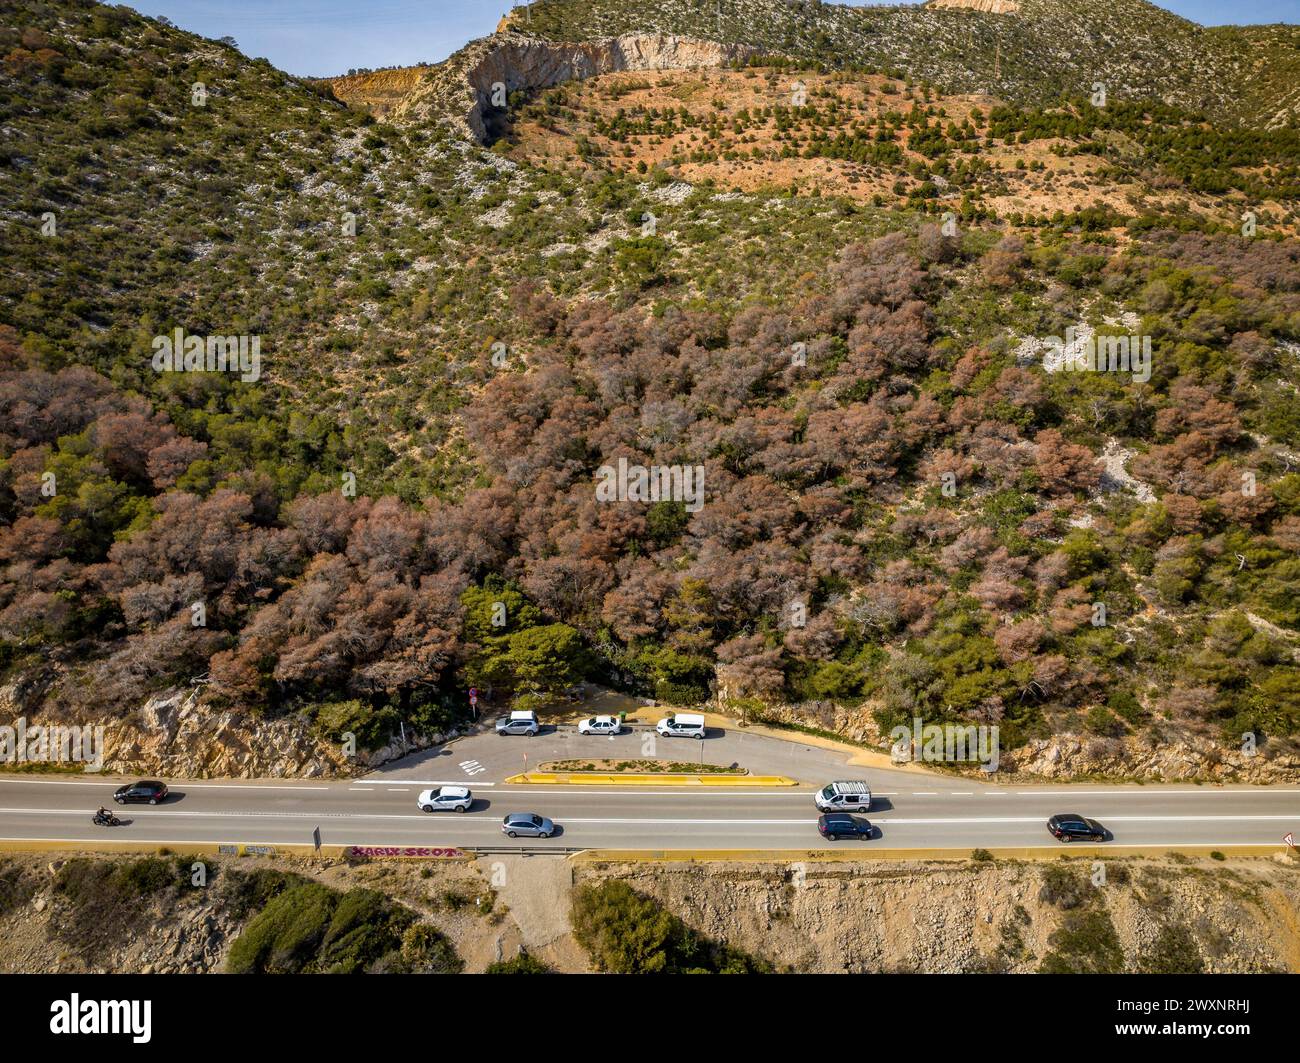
308 928
426 950
521 964
1063 887
1174 952
286 936
625 932
1085 943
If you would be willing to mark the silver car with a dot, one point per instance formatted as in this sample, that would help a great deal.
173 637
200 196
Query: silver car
527 825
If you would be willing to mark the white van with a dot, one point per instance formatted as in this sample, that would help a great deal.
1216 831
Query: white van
681 725
850 796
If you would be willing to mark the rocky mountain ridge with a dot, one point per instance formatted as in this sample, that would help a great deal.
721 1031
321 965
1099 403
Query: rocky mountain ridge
472 86
1039 51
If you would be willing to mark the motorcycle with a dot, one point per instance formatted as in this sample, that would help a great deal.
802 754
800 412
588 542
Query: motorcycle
106 820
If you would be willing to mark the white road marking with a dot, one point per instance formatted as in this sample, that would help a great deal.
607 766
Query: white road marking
1069 792
1109 819
432 782
93 781
866 852
596 791
655 821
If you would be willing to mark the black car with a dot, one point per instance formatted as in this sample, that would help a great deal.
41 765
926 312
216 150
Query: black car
148 791
837 825
1071 825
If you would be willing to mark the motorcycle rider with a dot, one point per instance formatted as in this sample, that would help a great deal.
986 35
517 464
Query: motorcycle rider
102 815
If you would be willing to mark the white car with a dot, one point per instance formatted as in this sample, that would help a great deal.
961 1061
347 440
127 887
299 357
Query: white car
600 725
682 725
446 798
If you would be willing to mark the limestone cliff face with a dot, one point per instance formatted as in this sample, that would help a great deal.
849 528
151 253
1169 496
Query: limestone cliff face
380 91
463 87
177 736
989 7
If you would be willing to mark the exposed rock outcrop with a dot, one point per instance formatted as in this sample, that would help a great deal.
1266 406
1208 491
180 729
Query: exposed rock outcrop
464 86
951 918
378 91
1175 756
988 7
1188 759
178 735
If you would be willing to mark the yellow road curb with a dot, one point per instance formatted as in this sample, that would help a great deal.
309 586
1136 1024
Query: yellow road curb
866 854
177 848
593 778
46 845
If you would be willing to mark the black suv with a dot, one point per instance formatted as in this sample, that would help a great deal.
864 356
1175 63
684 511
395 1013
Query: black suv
1071 825
837 825
148 791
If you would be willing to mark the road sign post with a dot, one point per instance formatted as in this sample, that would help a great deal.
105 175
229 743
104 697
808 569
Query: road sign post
1290 840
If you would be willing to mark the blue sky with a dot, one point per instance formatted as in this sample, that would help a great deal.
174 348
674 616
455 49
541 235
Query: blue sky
320 37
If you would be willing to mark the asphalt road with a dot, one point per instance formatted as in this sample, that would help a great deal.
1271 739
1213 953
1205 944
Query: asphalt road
923 813
489 757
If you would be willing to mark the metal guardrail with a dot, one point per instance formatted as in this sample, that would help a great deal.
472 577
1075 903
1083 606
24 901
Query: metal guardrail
523 850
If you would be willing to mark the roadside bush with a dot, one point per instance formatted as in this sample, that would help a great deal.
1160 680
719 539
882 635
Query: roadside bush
627 933
1062 887
285 937
308 928
250 891
521 964
1174 952
110 900
426 950
1085 943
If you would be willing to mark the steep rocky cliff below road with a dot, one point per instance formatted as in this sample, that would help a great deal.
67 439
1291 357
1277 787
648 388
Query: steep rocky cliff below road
463 86
1165 915
145 914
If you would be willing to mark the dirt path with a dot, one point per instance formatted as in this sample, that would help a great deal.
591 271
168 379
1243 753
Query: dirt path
537 890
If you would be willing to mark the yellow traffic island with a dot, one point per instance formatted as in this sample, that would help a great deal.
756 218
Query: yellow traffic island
643 771
707 780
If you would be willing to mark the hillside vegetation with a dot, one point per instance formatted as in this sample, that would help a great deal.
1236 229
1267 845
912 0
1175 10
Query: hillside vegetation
907 508
1044 50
